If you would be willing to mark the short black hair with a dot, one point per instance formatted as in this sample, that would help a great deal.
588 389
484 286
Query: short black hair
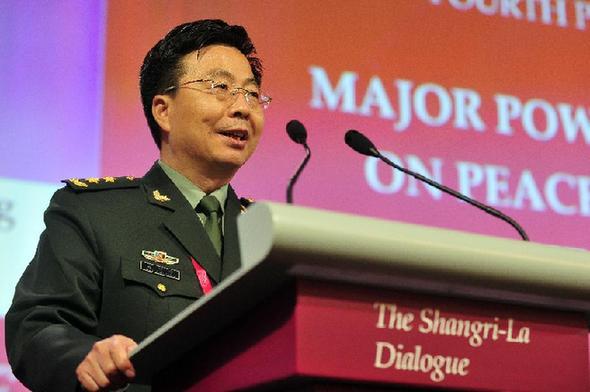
161 66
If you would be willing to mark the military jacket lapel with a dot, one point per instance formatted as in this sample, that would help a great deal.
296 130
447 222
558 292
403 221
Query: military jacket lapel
183 223
188 230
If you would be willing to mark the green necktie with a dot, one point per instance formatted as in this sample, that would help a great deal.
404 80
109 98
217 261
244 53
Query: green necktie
210 207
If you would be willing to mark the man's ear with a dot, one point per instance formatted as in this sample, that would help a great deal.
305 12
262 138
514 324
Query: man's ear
161 111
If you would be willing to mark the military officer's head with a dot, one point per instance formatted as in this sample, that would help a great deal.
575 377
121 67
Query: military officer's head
200 88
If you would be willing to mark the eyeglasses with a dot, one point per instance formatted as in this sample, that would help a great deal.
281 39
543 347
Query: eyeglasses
222 92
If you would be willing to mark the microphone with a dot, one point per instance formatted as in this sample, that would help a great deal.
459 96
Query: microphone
298 134
361 144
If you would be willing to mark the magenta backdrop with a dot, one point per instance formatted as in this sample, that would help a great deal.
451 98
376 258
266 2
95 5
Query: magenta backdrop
491 102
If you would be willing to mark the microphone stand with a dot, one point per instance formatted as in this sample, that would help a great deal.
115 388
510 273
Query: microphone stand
361 144
475 203
297 173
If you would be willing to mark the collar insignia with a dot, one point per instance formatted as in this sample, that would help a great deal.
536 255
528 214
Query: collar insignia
159 257
245 202
160 197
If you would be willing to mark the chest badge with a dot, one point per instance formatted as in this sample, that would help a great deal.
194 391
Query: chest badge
159 257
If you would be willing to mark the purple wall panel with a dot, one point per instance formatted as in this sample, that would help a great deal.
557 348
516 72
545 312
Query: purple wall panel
51 87
51 82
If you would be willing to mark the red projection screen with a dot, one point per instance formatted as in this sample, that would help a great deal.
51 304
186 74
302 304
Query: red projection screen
490 97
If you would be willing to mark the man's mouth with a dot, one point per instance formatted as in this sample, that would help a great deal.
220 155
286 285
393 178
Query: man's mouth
236 134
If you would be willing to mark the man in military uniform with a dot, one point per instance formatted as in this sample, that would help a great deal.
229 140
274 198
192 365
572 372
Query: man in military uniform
121 256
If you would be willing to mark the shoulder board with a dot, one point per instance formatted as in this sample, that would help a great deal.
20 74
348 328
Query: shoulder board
245 202
97 184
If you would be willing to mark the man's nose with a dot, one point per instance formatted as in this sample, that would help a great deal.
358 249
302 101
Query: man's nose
240 105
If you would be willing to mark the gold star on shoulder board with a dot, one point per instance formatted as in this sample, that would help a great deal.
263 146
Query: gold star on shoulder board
160 197
109 179
93 180
77 182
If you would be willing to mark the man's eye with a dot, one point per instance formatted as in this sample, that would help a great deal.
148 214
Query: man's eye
254 94
220 86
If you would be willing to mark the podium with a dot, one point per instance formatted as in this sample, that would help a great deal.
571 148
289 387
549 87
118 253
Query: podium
327 301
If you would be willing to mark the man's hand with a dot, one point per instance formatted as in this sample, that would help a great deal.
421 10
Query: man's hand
107 366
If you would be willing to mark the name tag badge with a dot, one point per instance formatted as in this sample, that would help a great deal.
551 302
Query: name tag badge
159 269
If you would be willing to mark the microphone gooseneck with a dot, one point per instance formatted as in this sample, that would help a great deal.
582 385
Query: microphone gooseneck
298 134
361 144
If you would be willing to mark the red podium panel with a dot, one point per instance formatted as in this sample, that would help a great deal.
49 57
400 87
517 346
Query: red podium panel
336 332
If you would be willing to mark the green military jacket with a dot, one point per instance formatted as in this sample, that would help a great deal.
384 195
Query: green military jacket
115 258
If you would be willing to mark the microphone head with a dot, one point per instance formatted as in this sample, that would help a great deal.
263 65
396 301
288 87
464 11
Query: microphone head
297 132
360 143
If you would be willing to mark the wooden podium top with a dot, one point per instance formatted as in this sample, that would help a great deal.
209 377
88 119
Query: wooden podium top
386 253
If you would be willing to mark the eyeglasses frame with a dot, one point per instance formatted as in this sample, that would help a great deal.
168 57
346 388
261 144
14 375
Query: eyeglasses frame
263 100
